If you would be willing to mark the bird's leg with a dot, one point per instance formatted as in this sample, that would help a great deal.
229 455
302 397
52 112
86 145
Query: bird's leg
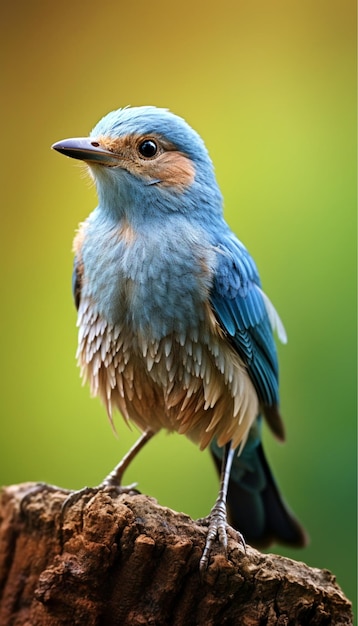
217 518
114 479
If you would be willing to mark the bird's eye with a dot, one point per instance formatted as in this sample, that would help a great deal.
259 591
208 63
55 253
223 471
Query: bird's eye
148 148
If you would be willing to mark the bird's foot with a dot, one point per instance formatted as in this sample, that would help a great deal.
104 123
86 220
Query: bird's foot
72 497
218 527
112 482
86 493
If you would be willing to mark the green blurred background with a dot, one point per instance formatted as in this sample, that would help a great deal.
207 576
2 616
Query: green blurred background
271 88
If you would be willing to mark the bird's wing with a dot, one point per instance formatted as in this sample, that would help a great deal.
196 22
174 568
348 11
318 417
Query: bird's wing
77 281
248 318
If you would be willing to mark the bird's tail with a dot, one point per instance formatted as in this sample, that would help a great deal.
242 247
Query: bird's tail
254 504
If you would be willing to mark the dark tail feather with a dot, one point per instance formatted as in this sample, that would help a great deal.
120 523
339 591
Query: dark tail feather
254 504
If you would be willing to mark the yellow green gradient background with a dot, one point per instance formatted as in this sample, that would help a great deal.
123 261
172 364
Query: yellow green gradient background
271 88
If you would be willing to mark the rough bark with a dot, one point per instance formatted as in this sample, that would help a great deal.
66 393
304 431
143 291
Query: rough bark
124 560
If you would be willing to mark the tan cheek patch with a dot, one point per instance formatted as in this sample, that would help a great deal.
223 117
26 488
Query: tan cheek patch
173 169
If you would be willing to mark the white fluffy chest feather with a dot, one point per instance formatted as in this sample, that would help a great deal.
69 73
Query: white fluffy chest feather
192 383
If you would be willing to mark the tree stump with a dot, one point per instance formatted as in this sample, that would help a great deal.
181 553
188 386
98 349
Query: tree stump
124 560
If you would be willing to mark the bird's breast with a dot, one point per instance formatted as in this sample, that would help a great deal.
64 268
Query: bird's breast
154 281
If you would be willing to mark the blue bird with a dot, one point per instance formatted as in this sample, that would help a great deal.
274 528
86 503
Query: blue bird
174 329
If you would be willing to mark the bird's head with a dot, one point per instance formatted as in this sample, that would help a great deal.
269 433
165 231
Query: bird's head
147 161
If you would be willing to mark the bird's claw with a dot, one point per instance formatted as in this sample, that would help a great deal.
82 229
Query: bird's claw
217 529
72 497
87 493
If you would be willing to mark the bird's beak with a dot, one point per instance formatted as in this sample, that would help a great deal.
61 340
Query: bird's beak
86 149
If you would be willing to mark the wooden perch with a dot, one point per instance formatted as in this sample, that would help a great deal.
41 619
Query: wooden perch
125 560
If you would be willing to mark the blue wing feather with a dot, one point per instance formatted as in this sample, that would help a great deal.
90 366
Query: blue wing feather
239 305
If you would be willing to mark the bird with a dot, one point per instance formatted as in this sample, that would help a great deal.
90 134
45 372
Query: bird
174 329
